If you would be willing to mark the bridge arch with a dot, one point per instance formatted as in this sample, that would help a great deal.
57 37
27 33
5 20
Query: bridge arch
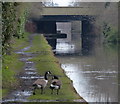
47 23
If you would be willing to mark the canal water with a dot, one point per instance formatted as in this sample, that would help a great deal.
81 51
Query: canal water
94 70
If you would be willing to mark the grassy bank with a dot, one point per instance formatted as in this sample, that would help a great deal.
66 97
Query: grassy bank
11 66
20 43
46 61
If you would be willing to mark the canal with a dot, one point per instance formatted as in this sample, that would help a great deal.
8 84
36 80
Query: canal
93 70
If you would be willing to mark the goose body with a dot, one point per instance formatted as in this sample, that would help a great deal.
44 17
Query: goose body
55 84
41 83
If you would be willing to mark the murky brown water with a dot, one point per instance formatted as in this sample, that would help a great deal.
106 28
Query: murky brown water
94 74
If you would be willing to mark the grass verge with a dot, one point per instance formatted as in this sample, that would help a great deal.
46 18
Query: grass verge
18 44
46 61
11 66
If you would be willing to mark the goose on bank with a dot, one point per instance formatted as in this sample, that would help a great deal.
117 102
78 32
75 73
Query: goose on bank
41 83
55 84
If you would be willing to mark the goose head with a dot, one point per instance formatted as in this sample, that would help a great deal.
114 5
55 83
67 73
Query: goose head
55 77
46 74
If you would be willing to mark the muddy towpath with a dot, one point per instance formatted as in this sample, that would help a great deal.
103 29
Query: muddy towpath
35 64
27 76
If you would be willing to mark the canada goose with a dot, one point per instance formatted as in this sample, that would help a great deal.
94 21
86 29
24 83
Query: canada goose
41 83
55 84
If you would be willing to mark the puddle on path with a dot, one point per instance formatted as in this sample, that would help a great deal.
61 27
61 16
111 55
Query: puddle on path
29 69
30 77
25 59
27 77
30 73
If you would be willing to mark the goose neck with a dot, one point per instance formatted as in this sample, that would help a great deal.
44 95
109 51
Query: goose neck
46 76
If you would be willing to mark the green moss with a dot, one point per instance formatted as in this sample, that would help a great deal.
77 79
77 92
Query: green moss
44 61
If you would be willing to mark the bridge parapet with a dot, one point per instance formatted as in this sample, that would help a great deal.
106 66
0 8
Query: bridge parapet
68 11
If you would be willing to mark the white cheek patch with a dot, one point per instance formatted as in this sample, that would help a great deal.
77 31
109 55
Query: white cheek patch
48 72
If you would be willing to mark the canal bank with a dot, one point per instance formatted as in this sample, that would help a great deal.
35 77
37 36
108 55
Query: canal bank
46 61
38 58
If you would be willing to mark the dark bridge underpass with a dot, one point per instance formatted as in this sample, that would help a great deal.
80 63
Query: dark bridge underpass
47 25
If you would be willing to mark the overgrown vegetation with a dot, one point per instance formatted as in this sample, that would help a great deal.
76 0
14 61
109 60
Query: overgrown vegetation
14 16
13 21
110 34
46 61
106 19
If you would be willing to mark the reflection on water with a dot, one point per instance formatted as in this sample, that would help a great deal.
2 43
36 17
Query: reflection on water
65 47
95 77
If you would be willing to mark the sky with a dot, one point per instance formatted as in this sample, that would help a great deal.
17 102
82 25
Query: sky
66 2
62 2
